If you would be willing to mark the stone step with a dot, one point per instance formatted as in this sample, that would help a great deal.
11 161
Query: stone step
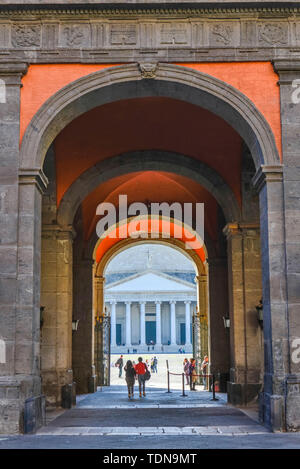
152 431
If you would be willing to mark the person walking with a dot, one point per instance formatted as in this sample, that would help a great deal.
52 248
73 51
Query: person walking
152 364
120 363
141 369
186 367
192 374
130 374
204 369
155 361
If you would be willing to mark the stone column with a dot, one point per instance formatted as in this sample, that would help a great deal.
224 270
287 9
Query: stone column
268 182
142 322
219 353
113 323
173 322
57 300
98 307
244 282
187 322
20 228
128 323
99 295
83 339
286 335
158 323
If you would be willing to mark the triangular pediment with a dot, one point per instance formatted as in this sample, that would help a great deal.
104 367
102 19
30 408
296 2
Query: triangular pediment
150 281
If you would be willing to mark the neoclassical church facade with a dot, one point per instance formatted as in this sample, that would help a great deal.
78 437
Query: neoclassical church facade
151 309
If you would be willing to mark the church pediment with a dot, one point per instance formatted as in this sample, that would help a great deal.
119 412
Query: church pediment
150 281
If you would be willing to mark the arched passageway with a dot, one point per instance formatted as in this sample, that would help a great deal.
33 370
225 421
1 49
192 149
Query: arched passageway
194 167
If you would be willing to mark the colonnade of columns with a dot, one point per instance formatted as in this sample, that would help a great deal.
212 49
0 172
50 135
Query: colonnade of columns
142 305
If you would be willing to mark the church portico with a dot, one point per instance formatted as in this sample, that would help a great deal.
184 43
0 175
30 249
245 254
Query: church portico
146 323
151 310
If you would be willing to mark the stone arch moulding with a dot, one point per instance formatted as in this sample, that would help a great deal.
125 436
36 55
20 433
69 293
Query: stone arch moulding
208 246
122 245
147 161
129 81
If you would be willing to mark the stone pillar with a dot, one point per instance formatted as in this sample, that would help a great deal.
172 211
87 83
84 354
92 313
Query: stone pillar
173 322
142 322
158 323
244 282
98 310
113 323
219 353
83 339
268 182
128 323
57 300
187 322
99 295
286 336
20 228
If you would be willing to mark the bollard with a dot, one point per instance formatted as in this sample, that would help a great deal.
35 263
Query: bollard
214 398
168 381
183 393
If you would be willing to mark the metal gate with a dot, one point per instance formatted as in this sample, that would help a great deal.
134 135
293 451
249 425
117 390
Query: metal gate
200 340
102 349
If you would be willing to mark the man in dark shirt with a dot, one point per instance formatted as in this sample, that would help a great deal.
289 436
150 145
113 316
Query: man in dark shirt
119 363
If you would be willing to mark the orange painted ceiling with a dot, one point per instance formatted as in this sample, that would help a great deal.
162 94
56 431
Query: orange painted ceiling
150 186
108 242
154 123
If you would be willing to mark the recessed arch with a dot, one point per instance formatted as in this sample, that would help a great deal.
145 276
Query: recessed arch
179 238
122 245
115 83
148 161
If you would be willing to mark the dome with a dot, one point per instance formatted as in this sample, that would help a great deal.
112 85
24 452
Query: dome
149 256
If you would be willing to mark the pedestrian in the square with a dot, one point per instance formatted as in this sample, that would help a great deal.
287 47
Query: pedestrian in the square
141 369
204 369
192 374
155 362
152 364
130 374
120 363
186 366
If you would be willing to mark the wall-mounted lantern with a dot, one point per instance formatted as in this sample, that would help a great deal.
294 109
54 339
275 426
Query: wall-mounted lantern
260 314
42 309
226 322
75 323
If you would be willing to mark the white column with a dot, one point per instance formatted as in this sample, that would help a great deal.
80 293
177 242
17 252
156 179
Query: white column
173 322
142 322
158 323
187 322
128 323
113 324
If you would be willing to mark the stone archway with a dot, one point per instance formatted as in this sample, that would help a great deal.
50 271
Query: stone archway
129 80
212 94
143 161
201 339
